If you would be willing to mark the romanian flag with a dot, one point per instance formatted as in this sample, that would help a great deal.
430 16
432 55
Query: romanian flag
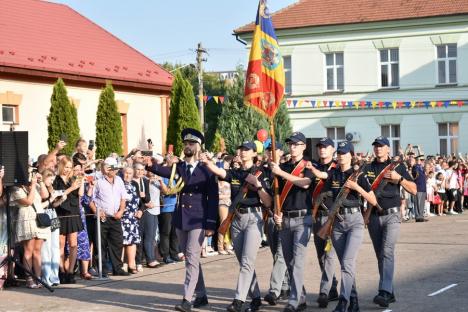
264 85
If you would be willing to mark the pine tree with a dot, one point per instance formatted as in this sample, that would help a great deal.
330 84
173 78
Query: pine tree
62 119
108 124
282 123
183 112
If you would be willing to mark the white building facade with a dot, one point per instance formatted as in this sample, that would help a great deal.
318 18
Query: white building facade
405 79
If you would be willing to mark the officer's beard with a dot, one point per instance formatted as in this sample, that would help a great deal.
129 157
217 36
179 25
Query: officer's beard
188 152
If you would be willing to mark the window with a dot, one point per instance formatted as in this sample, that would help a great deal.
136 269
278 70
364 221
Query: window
389 68
287 74
447 63
448 138
9 114
334 64
337 134
392 132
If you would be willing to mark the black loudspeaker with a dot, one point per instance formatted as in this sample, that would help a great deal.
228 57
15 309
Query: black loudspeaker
14 157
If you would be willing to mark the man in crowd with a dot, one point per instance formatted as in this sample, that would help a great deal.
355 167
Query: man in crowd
110 196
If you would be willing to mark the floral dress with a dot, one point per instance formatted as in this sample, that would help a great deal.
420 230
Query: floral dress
130 224
83 241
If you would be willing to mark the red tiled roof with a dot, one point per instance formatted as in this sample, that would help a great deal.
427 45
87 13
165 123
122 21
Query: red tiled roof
306 13
52 37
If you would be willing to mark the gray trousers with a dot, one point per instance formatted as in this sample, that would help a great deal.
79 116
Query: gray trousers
347 239
246 236
191 245
294 237
419 200
326 259
279 279
384 232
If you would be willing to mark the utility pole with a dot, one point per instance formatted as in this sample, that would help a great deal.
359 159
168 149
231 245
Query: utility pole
201 108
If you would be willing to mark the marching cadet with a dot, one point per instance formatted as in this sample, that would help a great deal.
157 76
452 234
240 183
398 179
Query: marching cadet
195 215
279 278
250 190
328 283
347 234
384 225
295 218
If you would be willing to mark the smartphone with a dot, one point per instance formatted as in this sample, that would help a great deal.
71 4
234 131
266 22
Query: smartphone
59 193
149 141
170 149
64 137
91 145
89 178
146 153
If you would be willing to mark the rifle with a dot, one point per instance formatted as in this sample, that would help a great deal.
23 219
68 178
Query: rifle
319 202
226 224
378 186
326 229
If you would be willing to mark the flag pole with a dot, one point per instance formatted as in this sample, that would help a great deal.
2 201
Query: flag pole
276 197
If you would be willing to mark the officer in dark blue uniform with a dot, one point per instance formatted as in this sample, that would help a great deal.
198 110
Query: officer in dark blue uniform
347 234
384 226
195 215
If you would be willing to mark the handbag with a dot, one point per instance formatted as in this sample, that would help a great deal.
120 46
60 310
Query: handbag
42 219
437 200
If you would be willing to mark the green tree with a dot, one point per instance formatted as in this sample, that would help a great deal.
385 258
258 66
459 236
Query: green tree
62 119
282 123
183 112
108 124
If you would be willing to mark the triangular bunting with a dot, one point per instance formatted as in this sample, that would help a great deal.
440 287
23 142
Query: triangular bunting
216 99
221 99
294 103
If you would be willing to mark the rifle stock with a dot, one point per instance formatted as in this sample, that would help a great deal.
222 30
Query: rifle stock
224 226
325 230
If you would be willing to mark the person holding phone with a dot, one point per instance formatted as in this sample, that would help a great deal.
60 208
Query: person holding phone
69 214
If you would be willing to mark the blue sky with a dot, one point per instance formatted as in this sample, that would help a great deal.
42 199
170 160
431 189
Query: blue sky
170 30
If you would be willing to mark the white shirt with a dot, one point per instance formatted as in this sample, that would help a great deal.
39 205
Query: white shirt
193 166
155 194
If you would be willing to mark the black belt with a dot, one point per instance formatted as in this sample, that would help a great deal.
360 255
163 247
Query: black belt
345 210
244 210
388 211
296 213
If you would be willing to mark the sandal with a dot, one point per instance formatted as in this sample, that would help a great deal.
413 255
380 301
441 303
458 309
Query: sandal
133 270
86 276
153 264
31 284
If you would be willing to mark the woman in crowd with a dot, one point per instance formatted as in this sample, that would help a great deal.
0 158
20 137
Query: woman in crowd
27 198
224 246
440 184
69 215
130 223
50 251
144 192
150 220
84 253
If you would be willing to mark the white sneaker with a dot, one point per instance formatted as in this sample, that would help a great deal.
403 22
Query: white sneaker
139 267
431 214
125 267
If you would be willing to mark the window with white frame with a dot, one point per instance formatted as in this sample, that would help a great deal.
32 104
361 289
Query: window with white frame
389 68
392 133
447 63
334 63
287 74
8 114
337 134
448 138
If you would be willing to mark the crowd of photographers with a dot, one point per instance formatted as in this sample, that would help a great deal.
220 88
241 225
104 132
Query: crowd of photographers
54 215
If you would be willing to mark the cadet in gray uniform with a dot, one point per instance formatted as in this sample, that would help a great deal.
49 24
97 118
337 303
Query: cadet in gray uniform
279 279
384 227
347 234
250 190
296 218
328 283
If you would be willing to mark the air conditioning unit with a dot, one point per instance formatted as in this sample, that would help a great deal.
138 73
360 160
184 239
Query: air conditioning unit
353 137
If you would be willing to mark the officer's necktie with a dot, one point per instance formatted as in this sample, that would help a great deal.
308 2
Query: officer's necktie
188 171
